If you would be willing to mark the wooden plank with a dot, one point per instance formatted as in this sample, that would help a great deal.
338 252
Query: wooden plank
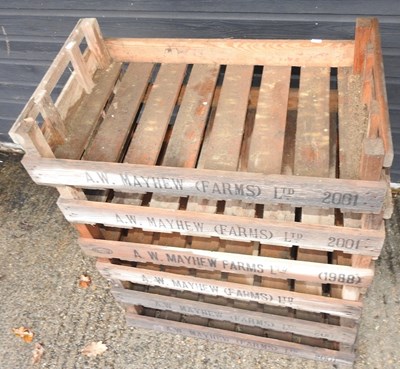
249 341
79 65
228 262
110 138
310 236
148 137
270 122
237 316
223 148
352 123
319 53
51 115
361 39
262 295
381 95
360 196
82 123
312 132
312 158
192 117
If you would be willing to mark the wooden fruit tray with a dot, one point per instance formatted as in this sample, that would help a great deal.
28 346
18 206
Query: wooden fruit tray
246 180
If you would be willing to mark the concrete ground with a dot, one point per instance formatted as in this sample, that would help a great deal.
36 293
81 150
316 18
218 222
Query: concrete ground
40 265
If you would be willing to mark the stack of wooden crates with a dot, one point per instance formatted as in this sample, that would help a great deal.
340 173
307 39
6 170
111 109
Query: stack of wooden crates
231 190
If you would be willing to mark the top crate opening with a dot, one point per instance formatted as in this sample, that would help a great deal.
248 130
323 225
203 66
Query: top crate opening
299 122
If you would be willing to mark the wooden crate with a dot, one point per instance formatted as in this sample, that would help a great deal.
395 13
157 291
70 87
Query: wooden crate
232 190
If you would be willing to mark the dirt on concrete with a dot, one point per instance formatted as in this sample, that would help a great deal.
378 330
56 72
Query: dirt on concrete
40 266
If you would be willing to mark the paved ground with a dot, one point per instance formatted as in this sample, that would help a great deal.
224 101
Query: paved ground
40 264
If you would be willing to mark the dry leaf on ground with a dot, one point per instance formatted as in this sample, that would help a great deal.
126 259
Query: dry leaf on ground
94 348
85 281
25 333
37 353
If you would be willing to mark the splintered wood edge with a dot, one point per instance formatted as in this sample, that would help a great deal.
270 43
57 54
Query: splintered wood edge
241 339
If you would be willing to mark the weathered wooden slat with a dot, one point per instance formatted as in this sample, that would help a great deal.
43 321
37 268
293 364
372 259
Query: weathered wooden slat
312 157
381 95
267 150
312 132
270 122
152 126
110 138
310 236
237 316
192 117
312 151
51 115
83 121
223 147
353 123
360 196
262 295
251 52
228 262
79 65
259 343
362 37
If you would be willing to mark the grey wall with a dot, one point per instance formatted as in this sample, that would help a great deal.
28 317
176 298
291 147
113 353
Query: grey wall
31 33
